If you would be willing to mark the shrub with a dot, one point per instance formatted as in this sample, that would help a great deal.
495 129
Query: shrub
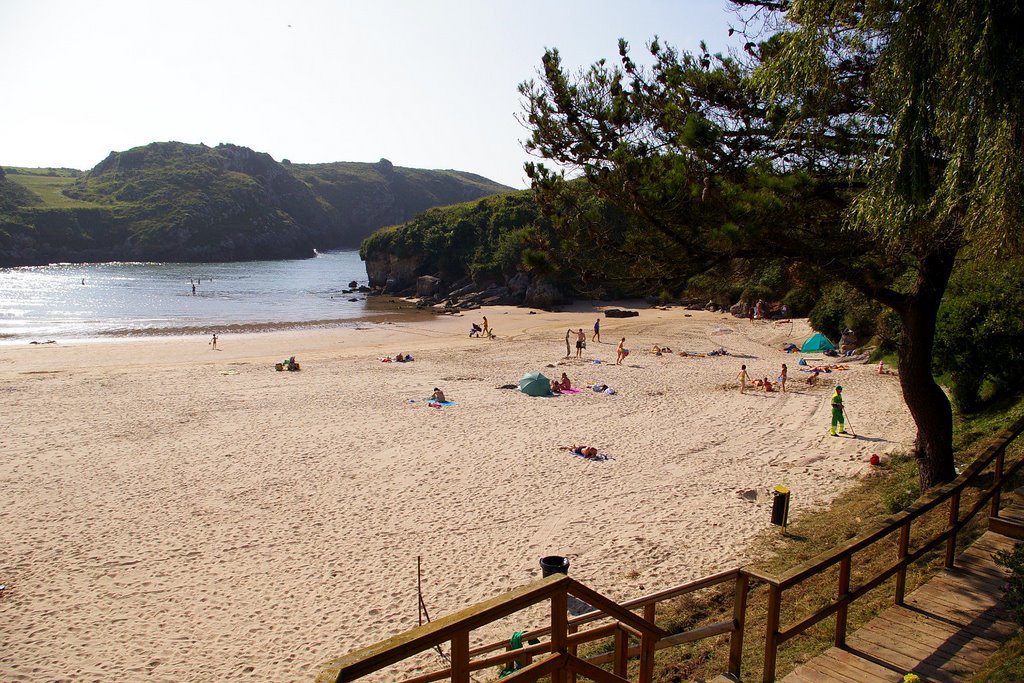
1014 561
978 331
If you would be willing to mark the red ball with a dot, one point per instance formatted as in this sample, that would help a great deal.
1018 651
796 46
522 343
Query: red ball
874 459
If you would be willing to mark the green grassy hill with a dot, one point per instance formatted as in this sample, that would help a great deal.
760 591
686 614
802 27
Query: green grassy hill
182 202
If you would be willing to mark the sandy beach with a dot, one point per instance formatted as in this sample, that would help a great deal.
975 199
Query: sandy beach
175 513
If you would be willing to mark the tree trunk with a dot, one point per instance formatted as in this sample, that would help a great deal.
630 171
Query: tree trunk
928 404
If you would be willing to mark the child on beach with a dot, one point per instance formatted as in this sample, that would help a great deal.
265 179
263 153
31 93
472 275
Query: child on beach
743 378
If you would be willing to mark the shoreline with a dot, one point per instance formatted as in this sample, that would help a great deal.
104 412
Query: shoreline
197 515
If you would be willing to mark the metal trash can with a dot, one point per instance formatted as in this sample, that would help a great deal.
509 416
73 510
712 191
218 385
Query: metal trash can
554 564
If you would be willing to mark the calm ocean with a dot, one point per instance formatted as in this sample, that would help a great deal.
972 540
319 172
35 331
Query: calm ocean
39 303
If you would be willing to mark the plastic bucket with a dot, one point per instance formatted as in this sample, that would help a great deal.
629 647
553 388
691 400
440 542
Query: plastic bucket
554 564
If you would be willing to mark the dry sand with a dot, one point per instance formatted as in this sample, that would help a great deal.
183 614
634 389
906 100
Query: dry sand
174 513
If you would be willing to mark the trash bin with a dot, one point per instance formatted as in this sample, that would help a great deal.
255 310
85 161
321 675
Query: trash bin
554 564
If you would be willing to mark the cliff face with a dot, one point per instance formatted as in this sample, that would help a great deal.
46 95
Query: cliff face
175 201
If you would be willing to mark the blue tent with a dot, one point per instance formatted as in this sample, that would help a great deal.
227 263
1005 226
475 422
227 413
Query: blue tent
817 343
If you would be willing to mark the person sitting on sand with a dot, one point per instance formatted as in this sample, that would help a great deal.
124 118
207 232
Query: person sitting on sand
556 386
438 396
767 385
564 383
882 370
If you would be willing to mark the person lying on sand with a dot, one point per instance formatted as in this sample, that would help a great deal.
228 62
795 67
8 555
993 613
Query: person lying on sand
585 451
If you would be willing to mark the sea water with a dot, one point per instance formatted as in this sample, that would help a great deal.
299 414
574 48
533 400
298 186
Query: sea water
96 300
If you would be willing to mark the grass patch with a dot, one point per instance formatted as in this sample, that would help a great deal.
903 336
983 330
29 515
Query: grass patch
50 190
1006 665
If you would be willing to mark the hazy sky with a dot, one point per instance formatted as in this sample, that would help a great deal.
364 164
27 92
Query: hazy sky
424 83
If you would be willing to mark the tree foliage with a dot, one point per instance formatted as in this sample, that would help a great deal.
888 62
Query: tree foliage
870 140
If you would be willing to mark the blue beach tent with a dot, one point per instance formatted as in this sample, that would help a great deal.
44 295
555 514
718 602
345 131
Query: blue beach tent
817 343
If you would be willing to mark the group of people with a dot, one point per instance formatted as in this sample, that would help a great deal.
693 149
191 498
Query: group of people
581 339
561 384
764 384
581 342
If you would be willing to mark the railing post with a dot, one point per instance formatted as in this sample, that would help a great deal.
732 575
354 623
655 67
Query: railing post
559 630
460 657
573 628
844 589
621 664
648 645
649 611
1000 456
739 620
954 519
771 638
901 555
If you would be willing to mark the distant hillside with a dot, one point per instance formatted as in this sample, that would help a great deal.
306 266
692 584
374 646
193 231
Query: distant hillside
173 201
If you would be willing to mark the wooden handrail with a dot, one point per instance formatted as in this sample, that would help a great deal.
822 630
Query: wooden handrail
995 450
397 648
635 603
455 628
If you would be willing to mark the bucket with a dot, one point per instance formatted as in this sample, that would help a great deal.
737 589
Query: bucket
554 564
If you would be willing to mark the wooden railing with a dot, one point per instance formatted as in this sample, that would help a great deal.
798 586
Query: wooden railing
557 657
994 453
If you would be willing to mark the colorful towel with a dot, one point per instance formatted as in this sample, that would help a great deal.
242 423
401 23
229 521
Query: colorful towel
570 391
438 404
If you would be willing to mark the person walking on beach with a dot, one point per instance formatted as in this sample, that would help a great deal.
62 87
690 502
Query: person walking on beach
486 327
837 412
620 351
213 342
581 342
782 378
744 378
568 351
597 331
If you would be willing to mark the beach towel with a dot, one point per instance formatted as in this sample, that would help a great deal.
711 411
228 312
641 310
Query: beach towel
438 404
570 391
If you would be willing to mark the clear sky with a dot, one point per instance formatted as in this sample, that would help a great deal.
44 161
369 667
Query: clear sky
424 83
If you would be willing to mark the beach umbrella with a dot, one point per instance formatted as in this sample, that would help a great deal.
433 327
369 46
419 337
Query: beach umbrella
535 384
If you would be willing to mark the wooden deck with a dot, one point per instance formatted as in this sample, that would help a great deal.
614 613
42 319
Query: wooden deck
945 631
